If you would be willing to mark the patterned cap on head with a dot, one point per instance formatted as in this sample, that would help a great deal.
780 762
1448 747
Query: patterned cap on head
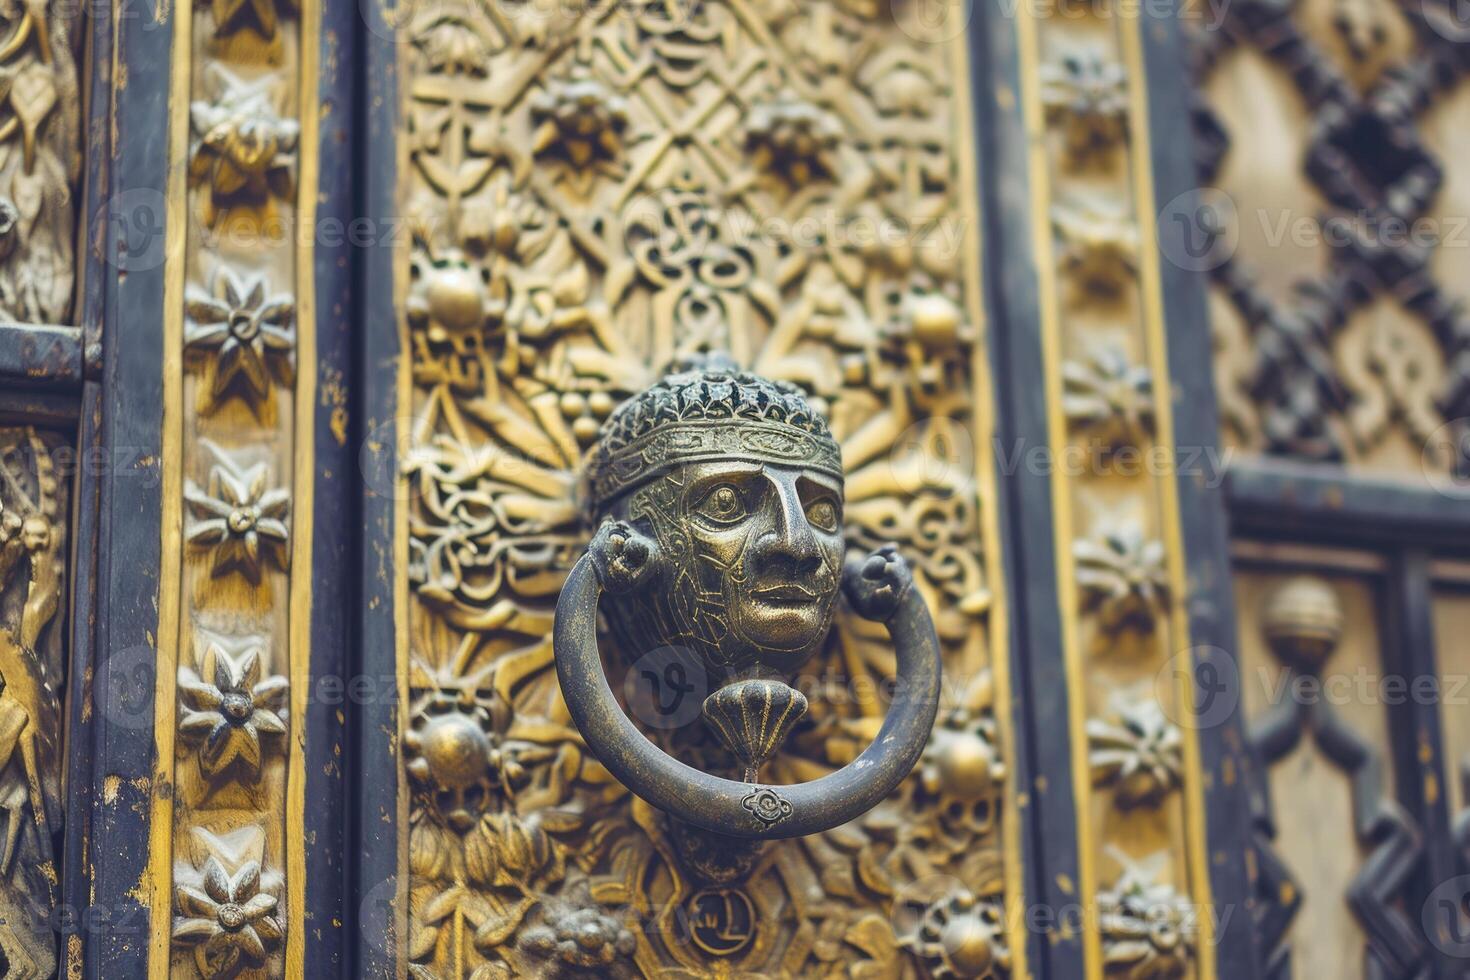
705 408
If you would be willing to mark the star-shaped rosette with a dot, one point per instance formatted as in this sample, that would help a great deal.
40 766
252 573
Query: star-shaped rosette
228 919
243 150
228 718
239 519
249 332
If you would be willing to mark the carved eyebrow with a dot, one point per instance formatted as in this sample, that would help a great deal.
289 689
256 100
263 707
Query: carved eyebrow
807 482
735 471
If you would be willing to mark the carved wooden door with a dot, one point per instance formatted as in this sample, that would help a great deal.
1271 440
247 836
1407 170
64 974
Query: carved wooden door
320 312
1340 377
934 222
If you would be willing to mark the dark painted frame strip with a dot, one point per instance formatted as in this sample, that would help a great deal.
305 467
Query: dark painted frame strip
1306 501
376 917
130 513
76 881
1204 526
35 354
334 510
1040 679
1019 757
1418 751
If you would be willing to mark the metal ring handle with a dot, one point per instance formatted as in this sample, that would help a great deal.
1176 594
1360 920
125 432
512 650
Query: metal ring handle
739 809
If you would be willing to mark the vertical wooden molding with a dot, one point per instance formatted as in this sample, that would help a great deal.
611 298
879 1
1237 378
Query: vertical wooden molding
1118 550
228 889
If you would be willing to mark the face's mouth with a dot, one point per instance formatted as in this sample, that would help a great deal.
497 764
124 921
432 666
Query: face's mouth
786 594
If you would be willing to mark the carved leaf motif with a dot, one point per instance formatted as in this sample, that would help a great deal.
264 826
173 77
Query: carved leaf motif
33 96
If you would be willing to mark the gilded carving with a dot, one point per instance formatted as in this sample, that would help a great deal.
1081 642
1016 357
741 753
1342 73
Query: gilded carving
239 519
245 334
577 936
226 909
1135 763
580 117
261 16
595 197
1140 754
1099 253
32 566
228 716
963 770
243 150
1149 930
233 748
961 937
1109 397
1086 96
40 162
793 138
1124 577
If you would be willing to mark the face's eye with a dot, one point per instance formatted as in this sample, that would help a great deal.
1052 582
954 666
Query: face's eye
823 514
722 505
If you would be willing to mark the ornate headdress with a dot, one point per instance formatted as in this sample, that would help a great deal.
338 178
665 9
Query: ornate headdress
707 409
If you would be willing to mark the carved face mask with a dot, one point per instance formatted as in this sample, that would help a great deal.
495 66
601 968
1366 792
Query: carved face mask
753 553
36 533
740 485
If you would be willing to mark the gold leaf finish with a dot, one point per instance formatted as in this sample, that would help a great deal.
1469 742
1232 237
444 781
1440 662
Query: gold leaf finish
227 838
33 546
595 195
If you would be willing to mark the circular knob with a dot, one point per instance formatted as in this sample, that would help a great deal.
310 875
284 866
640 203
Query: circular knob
878 587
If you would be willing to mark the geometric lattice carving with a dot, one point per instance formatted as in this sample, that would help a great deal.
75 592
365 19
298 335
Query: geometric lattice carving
1304 616
1373 346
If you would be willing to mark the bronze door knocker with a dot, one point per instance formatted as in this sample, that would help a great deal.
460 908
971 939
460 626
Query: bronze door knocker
719 500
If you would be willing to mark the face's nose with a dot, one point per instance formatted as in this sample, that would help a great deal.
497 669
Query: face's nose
789 544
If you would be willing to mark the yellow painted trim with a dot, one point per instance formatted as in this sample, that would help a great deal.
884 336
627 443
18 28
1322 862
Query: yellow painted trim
983 416
1039 167
170 602
303 496
1156 342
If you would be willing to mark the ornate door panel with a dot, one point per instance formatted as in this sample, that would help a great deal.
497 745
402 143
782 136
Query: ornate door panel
212 718
411 332
1339 367
593 197
589 197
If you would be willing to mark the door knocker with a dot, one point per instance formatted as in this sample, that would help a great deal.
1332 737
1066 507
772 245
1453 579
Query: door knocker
719 499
